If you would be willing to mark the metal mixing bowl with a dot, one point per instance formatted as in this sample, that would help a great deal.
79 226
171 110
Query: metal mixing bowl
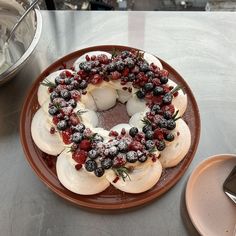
25 38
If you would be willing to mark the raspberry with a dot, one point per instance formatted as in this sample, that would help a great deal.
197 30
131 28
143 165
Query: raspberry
135 146
158 134
169 108
85 145
79 156
96 79
66 136
115 75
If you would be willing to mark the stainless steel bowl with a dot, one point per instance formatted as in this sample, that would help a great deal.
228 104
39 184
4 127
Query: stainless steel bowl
26 37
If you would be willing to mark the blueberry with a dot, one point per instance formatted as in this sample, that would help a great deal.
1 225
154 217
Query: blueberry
90 165
62 125
171 124
120 65
162 123
59 80
164 80
67 81
87 67
170 137
148 87
53 95
147 128
111 67
81 65
150 74
92 154
129 62
140 94
106 163
113 151
149 144
160 145
65 94
99 172
98 138
131 77
167 115
79 128
144 67
142 158
77 137
123 146
131 156
149 134
53 110
72 103
133 131
156 108
83 84
167 98
158 91
75 84
125 54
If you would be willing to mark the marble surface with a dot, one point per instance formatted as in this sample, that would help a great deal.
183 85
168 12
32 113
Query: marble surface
200 46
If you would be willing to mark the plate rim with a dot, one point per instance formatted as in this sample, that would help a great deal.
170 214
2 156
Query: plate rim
209 161
91 205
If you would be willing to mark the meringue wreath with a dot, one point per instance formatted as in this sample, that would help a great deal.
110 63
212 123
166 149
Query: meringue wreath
131 156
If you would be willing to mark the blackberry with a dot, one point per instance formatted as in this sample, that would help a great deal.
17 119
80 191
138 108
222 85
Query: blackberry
171 124
53 110
106 163
167 98
77 137
83 84
158 91
65 94
160 145
149 144
62 125
75 84
169 137
133 131
120 65
156 108
144 67
79 128
53 95
90 165
131 156
92 154
125 54
99 171
123 146
140 94
147 128
164 80
149 134
148 87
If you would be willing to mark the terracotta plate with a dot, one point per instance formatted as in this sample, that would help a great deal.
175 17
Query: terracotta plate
210 210
110 199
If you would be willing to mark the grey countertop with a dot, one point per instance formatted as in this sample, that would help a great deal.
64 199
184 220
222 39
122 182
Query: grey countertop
200 46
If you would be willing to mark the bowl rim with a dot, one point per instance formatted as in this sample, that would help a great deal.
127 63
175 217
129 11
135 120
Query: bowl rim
20 62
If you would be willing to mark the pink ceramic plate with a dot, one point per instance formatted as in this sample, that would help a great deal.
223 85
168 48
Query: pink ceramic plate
210 210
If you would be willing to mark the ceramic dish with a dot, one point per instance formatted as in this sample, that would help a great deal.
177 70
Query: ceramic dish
210 210
111 198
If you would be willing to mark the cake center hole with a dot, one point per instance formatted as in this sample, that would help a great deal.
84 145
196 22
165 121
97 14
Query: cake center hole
114 116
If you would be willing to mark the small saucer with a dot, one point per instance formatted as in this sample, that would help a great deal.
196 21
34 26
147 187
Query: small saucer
210 210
